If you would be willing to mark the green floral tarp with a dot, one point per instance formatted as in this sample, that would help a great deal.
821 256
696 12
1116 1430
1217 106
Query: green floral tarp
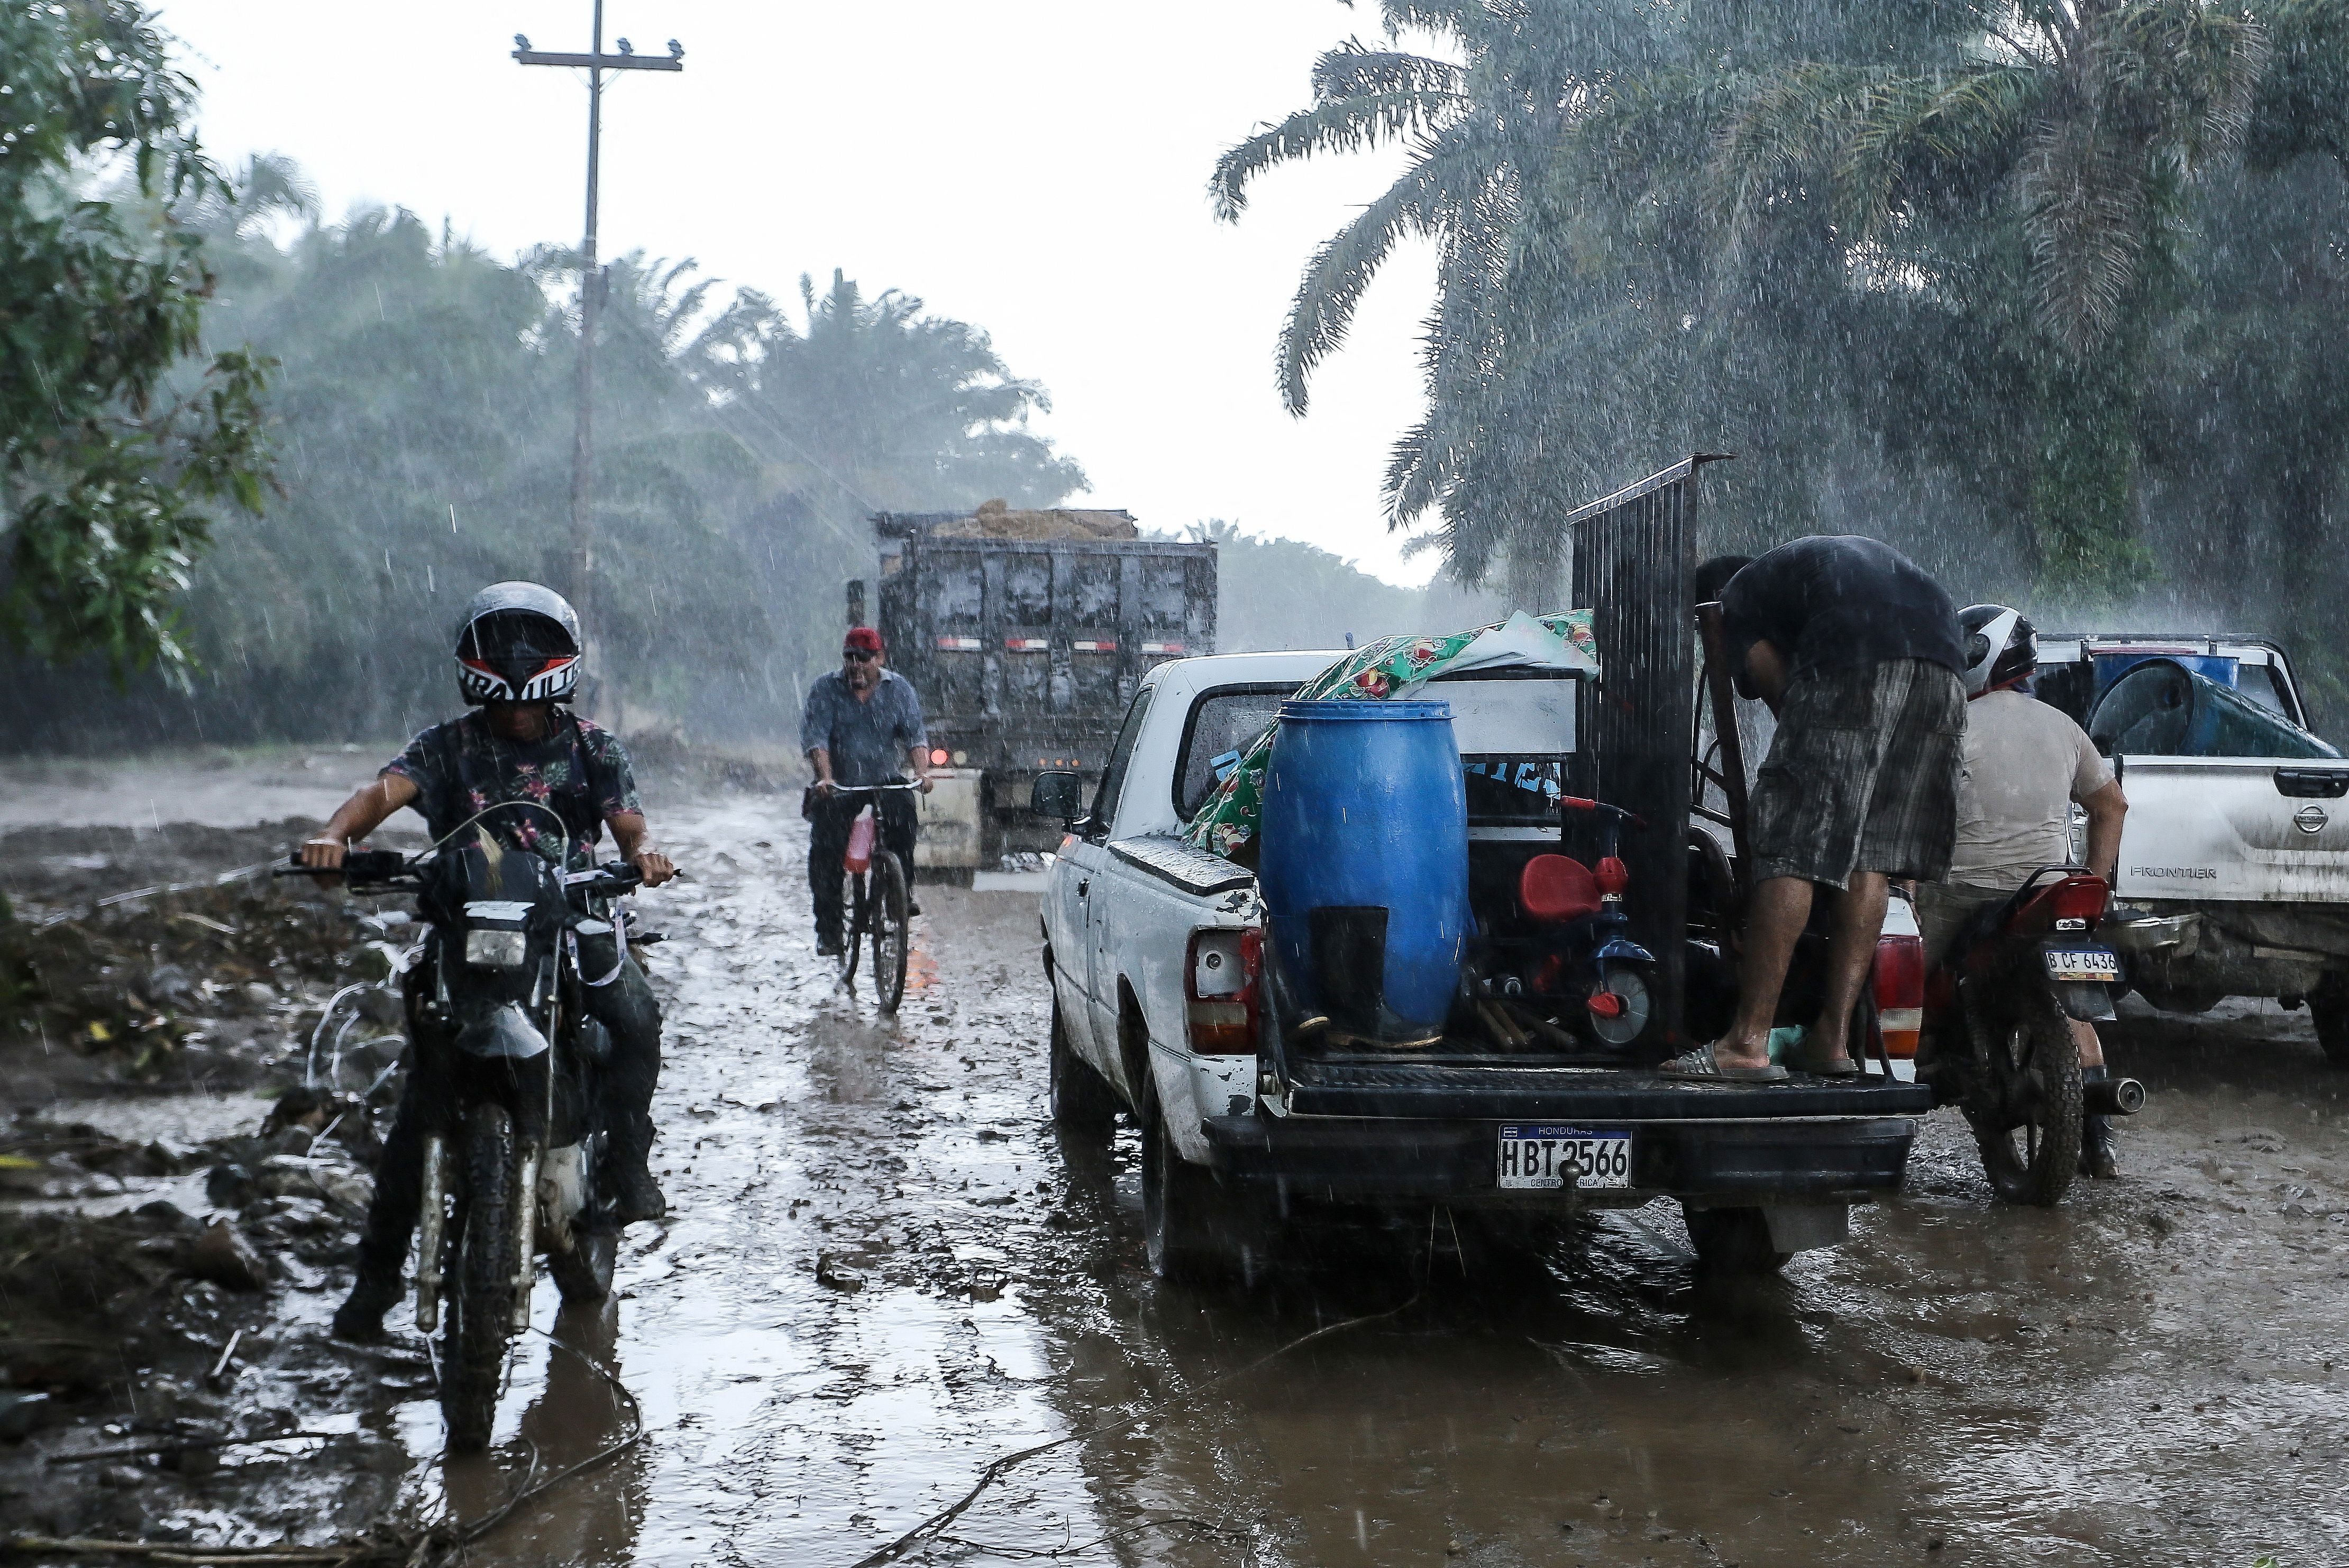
1396 667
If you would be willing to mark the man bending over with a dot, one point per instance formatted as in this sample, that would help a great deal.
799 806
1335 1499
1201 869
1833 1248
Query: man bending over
1857 653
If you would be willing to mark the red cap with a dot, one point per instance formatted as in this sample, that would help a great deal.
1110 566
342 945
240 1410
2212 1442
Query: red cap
863 640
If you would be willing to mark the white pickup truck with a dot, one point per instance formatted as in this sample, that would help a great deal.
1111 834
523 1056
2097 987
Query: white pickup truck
2235 853
1154 949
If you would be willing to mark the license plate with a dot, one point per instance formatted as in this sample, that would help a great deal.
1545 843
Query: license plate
2082 964
1551 1157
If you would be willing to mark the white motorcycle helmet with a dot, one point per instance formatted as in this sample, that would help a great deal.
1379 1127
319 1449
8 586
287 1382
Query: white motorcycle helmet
2001 645
519 642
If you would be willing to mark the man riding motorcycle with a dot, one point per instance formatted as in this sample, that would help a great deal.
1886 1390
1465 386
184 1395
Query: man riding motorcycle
521 774
2025 764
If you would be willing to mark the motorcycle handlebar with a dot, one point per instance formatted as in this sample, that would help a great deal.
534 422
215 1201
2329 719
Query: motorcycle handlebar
613 877
358 866
384 867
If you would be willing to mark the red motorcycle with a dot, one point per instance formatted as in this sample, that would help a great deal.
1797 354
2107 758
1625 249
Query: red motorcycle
1996 1042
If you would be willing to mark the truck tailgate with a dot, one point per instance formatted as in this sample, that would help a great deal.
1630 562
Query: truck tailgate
2234 829
1438 1090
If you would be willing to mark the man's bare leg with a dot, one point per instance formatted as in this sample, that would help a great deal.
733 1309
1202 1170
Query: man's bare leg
2092 1049
1774 918
1851 951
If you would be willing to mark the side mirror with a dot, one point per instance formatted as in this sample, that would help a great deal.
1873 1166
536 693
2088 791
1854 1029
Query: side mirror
1057 795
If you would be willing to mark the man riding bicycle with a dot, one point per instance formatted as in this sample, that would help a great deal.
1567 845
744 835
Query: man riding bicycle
521 775
859 720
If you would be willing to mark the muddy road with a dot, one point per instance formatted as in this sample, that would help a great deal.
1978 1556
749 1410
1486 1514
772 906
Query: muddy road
882 1273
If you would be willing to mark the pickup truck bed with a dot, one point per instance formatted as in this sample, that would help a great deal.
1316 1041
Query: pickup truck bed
1236 1126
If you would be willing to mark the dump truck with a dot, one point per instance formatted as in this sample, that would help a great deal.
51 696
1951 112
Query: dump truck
1026 632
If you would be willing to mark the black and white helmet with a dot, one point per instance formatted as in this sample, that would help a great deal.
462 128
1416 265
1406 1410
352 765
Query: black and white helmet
2002 645
518 642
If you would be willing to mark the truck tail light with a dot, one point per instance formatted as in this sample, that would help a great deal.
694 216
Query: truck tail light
1219 989
1900 993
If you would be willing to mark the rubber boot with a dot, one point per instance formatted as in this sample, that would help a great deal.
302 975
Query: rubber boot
375 1292
634 1194
2096 1151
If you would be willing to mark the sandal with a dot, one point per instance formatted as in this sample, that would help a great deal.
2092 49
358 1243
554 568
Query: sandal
1841 1067
1700 1064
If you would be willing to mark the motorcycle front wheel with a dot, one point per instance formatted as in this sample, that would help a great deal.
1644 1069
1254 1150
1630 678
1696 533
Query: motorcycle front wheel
486 1243
2024 1102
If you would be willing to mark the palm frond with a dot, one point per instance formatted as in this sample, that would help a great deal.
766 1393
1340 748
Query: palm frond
1949 118
1454 18
2084 196
1353 69
2187 66
1348 124
1340 271
1859 130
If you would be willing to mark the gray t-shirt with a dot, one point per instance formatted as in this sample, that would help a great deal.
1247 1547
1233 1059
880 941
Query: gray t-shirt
868 740
2026 763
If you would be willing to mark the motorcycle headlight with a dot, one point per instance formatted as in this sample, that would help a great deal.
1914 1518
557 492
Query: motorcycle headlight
497 949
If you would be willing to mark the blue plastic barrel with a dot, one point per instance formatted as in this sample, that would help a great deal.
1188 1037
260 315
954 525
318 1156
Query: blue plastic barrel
1364 865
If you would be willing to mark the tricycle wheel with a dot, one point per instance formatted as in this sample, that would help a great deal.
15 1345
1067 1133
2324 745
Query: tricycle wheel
1629 983
1083 1105
2024 1099
1731 1241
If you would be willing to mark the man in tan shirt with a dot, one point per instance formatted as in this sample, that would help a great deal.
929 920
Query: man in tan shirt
2025 764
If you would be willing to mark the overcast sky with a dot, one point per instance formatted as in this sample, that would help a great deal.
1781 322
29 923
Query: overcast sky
1038 167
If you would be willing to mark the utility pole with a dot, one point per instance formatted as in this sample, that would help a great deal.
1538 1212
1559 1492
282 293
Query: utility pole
590 287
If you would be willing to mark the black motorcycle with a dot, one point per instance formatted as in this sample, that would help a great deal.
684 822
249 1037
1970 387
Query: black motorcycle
511 1160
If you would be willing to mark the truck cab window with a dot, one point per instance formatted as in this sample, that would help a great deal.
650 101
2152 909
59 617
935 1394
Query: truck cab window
1113 782
1222 724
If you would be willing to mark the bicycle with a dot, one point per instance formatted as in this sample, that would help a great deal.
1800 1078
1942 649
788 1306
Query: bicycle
874 897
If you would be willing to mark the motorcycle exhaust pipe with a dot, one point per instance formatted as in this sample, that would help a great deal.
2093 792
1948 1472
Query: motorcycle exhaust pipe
526 1223
2112 1096
427 1234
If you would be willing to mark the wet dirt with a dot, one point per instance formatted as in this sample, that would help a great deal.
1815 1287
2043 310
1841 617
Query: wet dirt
883 1271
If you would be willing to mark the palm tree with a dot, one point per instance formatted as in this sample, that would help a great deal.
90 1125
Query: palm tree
1480 130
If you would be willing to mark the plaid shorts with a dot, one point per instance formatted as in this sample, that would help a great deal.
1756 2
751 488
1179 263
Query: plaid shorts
1862 775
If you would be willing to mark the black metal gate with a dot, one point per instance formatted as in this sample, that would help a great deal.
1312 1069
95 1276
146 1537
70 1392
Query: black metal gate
1634 556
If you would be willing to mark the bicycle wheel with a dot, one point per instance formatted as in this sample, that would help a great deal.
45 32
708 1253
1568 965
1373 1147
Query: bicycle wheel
852 904
890 937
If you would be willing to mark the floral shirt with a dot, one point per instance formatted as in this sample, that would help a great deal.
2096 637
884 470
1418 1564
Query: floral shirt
580 774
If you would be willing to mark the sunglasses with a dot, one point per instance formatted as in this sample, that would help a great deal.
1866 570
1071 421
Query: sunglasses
859 654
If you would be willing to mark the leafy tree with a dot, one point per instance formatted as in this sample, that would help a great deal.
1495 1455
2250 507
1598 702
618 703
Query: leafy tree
2022 172
112 468
423 413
